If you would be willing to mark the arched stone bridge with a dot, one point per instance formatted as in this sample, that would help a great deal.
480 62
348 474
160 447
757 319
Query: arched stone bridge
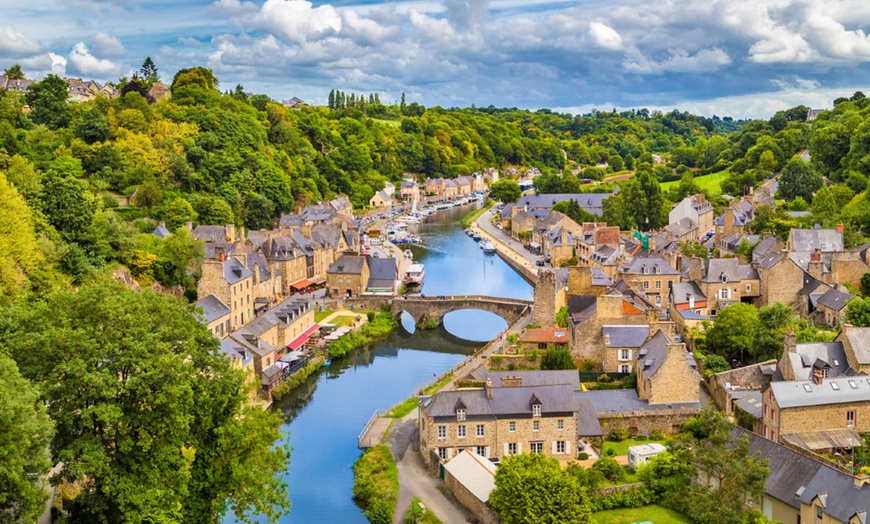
434 308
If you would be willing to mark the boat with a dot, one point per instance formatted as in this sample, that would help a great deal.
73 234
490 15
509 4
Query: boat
469 232
327 363
476 237
414 276
488 247
409 255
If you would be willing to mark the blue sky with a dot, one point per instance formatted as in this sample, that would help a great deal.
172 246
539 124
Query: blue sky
743 58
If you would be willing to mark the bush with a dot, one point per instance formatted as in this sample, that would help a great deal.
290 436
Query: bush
370 315
605 378
656 434
583 456
641 437
376 484
609 452
497 360
630 498
610 469
617 435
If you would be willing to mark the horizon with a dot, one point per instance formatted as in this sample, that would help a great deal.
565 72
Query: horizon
743 59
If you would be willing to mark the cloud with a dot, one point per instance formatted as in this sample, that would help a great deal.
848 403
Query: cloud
466 14
678 61
16 45
292 21
104 44
604 36
81 59
58 64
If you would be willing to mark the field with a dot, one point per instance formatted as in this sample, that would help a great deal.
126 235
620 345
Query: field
653 513
709 183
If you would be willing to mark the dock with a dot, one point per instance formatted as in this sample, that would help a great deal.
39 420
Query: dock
374 430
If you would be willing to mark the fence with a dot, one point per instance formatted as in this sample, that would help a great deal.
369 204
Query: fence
366 428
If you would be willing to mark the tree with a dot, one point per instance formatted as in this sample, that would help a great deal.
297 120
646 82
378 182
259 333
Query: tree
824 204
615 163
24 456
67 204
798 180
47 101
93 127
148 71
733 333
532 488
557 358
691 248
505 190
858 311
14 72
150 418
562 317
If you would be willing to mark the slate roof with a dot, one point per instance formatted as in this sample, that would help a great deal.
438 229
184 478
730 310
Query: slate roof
347 265
818 354
624 400
807 240
625 336
537 378
859 339
835 299
649 265
792 394
653 353
235 351
581 307
518 400
730 269
235 271
681 291
591 202
682 227
161 231
382 268
587 423
751 403
842 499
764 247
213 308
600 278
210 233
257 262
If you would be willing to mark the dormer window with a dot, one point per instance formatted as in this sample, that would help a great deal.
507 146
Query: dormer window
536 410
723 277
460 414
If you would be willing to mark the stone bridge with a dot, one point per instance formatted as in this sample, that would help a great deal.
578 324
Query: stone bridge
434 308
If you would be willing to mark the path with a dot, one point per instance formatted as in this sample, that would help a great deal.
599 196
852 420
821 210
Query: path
512 248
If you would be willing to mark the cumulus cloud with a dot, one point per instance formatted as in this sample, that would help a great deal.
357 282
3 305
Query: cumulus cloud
58 64
604 36
465 14
81 59
289 20
678 61
16 45
104 44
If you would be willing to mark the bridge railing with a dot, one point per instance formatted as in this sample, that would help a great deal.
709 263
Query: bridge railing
443 298
360 439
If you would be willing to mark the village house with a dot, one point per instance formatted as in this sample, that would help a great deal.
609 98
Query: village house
621 346
595 235
666 372
216 315
465 185
409 190
348 276
542 338
490 175
590 202
231 282
515 412
652 276
697 210
381 200
434 186
725 281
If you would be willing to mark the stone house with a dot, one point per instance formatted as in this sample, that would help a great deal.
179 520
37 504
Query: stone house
381 199
230 281
594 235
621 346
490 175
856 343
515 412
523 222
683 230
731 221
471 478
666 372
724 281
464 185
652 276
541 338
831 307
697 209
267 285
348 276
409 190
808 240
434 186
286 259
451 189
781 279
216 315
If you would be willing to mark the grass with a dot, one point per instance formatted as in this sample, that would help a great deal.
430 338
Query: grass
710 183
408 405
621 448
420 514
320 315
391 123
376 484
343 320
653 513
629 478
472 217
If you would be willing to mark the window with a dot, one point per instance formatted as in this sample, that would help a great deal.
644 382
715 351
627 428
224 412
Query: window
560 447
512 448
625 368
624 354
536 410
481 450
748 288
460 431
850 417
442 453
536 425
537 447
658 284
481 430
442 432
512 426
818 512
460 414
646 285
560 424
724 293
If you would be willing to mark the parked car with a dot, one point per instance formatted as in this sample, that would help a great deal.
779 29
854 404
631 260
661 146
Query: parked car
539 262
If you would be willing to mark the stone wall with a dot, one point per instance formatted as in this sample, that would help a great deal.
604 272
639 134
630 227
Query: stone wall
747 378
674 381
781 283
847 267
667 421
816 418
480 509
545 299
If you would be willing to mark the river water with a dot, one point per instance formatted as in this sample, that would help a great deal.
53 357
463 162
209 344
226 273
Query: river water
326 414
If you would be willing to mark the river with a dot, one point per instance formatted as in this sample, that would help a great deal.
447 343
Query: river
326 414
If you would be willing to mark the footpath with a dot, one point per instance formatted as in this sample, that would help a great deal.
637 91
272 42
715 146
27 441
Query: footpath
509 249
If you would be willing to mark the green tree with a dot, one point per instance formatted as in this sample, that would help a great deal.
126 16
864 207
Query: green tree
798 180
557 358
93 127
615 163
148 414
67 204
865 284
176 212
824 203
47 101
14 72
148 195
531 488
858 311
148 71
690 248
505 190
562 317
733 333
24 456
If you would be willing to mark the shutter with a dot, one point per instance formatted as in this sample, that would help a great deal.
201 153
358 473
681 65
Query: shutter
519 447
505 449
487 452
554 447
568 447
449 452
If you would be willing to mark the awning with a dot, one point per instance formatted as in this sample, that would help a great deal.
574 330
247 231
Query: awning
318 280
841 438
302 284
303 338
291 357
534 245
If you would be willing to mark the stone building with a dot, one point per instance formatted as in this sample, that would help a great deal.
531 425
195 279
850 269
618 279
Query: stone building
230 281
348 276
516 412
695 208
621 346
216 315
666 372
652 276
724 281
856 343
781 279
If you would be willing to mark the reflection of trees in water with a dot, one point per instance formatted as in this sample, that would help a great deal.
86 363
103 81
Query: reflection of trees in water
435 340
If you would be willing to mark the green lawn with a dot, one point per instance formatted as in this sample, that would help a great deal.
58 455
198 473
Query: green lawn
652 513
622 447
710 183
320 315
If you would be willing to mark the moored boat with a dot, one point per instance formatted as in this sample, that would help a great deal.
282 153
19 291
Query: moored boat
488 247
414 275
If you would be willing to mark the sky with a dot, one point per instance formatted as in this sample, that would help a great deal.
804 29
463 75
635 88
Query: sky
739 58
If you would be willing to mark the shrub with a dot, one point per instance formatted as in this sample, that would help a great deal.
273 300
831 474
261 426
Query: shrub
617 434
610 469
376 484
641 437
605 378
609 452
497 360
583 456
370 315
656 434
630 498
533 356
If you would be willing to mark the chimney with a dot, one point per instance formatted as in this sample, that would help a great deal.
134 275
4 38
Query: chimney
790 345
840 228
189 225
230 233
817 377
220 253
816 255
691 298
488 387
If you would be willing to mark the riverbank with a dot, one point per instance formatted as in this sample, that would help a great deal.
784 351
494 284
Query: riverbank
473 216
505 249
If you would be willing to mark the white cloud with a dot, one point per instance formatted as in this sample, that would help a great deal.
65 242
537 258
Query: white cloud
58 64
835 40
15 45
366 30
292 20
678 61
104 44
87 64
604 36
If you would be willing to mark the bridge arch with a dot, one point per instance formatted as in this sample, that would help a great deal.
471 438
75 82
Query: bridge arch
429 310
